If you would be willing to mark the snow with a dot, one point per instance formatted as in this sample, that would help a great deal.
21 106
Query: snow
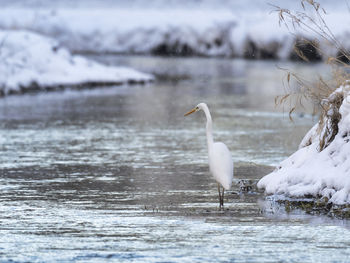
183 31
29 61
310 171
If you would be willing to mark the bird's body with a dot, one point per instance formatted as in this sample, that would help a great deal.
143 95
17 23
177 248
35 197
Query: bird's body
221 165
220 159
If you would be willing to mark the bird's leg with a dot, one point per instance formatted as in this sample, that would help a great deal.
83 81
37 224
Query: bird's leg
219 194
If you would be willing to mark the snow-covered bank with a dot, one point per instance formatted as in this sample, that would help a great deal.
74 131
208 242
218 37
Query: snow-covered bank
30 61
165 31
321 166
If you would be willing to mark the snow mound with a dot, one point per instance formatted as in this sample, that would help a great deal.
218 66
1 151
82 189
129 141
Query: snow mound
321 166
171 31
31 61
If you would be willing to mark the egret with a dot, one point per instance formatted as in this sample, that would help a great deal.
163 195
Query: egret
220 159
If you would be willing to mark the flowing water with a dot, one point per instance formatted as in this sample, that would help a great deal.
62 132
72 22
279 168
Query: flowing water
118 174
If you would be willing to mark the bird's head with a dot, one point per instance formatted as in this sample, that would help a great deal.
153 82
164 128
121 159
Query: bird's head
195 109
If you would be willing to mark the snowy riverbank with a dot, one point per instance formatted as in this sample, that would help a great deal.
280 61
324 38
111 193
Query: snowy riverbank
321 167
32 62
169 31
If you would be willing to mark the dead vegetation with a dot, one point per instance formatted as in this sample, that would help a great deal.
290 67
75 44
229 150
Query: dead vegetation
321 93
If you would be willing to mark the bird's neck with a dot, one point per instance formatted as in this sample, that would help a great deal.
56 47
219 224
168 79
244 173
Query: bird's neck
209 129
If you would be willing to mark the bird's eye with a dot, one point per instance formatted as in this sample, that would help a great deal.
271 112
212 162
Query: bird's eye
197 108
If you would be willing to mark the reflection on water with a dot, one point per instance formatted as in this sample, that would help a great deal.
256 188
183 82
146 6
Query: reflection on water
119 174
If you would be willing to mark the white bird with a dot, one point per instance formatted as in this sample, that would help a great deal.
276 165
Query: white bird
220 159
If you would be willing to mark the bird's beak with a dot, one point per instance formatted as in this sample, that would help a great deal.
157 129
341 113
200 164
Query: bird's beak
190 112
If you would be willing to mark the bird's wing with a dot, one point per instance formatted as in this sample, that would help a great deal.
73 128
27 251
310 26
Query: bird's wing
221 164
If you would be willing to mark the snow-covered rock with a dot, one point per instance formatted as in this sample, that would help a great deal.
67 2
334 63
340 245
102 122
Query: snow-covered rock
169 31
321 166
32 61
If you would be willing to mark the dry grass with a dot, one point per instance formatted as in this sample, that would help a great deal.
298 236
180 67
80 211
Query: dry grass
312 20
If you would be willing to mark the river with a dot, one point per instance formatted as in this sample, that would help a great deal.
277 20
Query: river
118 174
